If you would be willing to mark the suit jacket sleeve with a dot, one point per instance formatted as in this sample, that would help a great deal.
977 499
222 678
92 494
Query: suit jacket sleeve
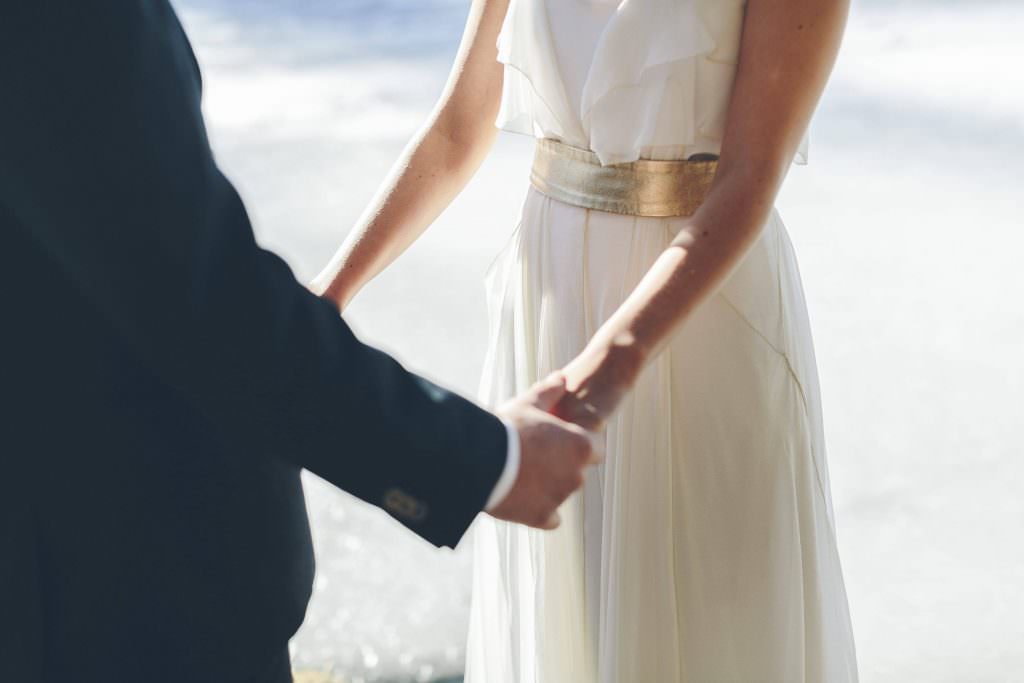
104 162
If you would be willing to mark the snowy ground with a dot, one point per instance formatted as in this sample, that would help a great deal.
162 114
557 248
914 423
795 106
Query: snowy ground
908 224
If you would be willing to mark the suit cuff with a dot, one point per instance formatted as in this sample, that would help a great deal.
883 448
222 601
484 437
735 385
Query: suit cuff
509 473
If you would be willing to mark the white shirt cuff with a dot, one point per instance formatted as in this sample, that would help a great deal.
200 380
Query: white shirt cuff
511 471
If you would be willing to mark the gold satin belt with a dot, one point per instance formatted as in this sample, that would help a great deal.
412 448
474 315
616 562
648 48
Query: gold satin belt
644 187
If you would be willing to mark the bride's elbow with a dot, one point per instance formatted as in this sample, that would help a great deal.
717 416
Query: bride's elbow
467 127
461 145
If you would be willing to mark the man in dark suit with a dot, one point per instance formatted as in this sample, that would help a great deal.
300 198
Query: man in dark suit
165 380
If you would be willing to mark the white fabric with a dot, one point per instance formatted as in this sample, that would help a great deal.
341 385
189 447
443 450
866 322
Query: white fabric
509 471
703 549
631 79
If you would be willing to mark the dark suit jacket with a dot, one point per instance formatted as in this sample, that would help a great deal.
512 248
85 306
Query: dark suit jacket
164 379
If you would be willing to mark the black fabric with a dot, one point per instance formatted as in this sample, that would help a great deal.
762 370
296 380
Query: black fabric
164 379
277 671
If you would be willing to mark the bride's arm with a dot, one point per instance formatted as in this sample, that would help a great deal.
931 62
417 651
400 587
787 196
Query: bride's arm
435 166
787 51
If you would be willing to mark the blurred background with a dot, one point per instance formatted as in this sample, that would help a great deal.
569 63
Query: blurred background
909 226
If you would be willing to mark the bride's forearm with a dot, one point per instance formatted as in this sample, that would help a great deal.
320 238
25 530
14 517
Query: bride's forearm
703 253
787 50
435 165
430 173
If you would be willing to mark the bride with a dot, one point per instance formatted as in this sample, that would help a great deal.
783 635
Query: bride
650 263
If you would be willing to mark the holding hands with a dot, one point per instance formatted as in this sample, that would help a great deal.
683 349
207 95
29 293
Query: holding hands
596 381
553 455
559 422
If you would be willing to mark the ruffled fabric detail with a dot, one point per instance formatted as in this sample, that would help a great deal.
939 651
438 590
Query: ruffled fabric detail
533 98
628 77
660 79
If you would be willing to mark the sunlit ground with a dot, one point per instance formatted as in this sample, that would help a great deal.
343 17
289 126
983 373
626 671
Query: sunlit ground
908 225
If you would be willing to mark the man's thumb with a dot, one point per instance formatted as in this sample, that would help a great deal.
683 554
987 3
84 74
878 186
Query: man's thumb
549 391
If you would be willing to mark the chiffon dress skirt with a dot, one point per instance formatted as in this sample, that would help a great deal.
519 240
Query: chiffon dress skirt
703 549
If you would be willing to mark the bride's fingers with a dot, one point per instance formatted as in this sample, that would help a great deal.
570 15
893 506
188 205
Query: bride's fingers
572 409
549 391
552 522
597 447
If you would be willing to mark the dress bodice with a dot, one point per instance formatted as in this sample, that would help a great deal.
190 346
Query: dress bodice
627 79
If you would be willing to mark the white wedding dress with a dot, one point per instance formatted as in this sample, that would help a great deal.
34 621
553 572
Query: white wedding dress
703 550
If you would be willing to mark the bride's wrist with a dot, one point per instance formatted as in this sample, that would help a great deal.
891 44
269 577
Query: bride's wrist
621 357
337 295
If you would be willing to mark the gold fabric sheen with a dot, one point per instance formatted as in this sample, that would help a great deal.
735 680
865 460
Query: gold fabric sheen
645 187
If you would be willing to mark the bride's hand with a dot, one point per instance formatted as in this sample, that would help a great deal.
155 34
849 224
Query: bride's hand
596 380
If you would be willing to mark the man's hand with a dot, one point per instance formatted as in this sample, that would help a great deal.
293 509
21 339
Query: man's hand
553 456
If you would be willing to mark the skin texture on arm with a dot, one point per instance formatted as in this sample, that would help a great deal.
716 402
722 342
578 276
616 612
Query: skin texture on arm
787 52
435 166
